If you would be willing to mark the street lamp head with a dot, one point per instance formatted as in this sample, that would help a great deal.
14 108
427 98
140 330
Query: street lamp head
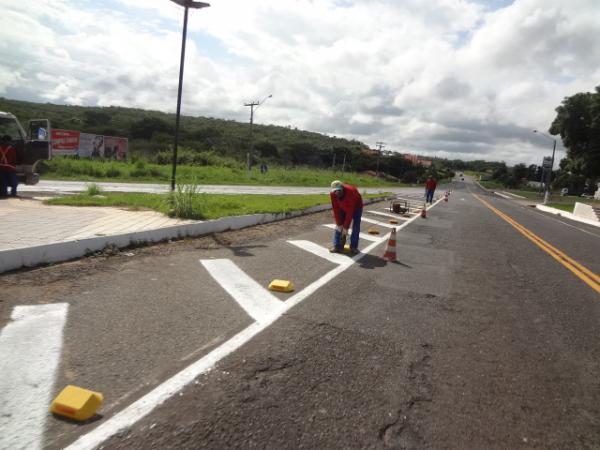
191 4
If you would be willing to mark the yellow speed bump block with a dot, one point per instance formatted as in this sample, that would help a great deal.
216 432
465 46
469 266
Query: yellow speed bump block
373 231
393 221
346 248
76 403
281 286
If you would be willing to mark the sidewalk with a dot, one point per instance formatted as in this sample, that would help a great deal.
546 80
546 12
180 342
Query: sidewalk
25 222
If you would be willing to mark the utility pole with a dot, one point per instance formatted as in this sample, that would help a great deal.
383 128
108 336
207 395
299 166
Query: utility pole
333 162
379 145
252 105
344 164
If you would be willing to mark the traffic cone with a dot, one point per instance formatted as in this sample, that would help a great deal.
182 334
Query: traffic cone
424 211
446 194
390 251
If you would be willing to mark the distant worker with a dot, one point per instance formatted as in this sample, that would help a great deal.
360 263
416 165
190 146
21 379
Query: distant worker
347 208
8 167
430 186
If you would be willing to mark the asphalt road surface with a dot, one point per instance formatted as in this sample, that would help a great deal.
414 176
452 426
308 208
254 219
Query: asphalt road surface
482 335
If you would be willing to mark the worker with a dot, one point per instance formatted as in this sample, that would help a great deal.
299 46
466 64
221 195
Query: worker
347 208
430 186
8 167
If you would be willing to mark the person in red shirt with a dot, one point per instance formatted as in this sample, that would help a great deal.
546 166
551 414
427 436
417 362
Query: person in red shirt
347 208
430 186
8 167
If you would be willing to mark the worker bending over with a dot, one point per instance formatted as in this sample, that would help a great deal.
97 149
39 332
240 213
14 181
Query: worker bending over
347 208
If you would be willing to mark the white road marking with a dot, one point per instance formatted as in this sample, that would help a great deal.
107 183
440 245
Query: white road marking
142 407
513 195
501 195
257 301
365 236
395 216
381 224
30 347
321 251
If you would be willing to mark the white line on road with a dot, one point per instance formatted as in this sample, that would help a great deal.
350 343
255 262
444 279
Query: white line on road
142 407
381 224
30 347
321 251
259 303
365 236
501 195
395 216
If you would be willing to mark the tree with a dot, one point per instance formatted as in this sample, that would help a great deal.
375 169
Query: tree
94 117
578 124
146 127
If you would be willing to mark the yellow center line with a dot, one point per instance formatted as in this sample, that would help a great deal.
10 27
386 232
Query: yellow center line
582 272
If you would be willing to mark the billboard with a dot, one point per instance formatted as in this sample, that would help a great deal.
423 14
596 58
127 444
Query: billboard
86 145
64 142
115 148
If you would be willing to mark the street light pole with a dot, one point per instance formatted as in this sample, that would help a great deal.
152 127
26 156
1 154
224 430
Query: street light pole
187 4
547 193
252 105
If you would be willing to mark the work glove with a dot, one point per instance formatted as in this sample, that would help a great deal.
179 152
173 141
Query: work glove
344 231
339 228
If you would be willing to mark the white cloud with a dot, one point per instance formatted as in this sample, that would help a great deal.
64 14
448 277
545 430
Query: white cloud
446 77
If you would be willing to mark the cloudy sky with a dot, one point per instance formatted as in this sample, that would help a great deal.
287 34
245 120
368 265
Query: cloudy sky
462 79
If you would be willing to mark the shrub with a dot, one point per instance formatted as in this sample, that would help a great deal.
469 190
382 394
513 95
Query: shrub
93 189
181 202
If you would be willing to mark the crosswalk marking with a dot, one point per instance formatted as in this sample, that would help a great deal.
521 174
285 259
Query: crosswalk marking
30 347
365 236
257 301
395 216
377 222
321 251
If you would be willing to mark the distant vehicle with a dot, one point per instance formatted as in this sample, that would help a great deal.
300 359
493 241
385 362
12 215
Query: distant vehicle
32 147
586 195
564 191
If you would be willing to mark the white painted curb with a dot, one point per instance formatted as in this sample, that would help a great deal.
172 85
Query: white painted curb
64 251
568 215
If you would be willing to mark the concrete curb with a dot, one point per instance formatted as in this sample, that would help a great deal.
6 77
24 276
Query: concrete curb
568 215
67 250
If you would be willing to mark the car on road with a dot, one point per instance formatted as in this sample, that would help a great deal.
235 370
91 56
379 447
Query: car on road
587 195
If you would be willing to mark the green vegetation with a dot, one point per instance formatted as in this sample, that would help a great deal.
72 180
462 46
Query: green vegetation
562 206
578 124
203 206
93 189
88 170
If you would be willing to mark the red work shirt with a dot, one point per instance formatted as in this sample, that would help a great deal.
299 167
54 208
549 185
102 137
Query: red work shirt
350 202
431 184
8 158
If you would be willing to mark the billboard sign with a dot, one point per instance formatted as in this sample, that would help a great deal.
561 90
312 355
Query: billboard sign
115 148
64 142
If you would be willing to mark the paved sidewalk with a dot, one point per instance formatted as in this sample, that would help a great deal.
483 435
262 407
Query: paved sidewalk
25 222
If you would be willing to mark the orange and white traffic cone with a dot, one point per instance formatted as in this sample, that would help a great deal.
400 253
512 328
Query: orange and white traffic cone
390 251
446 194
424 211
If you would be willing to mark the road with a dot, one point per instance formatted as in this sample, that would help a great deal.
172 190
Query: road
481 336
65 187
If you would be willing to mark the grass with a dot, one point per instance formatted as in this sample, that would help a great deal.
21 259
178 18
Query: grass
569 207
93 189
88 170
201 206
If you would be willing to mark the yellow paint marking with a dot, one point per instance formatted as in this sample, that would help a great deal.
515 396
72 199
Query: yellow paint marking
585 274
